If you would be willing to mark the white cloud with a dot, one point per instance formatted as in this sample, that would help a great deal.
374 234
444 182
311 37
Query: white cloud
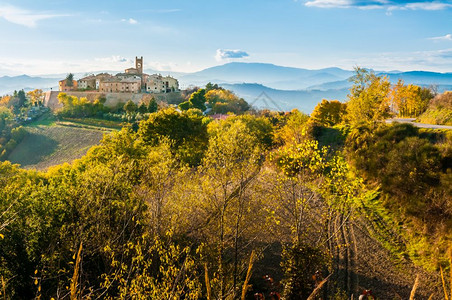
428 5
224 54
329 3
447 37
114 59
130 21
382 4
24 17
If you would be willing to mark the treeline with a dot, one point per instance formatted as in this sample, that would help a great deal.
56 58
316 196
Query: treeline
186 207
74 107
215 100
211 100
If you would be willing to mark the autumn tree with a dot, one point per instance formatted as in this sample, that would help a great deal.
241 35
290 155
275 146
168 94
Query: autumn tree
186 132
36 96
230 167
293 129
329 113
439 110
368 97
409 100
223 101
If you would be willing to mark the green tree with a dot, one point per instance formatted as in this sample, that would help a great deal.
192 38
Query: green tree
19 101
142 108
186 105
130 107
70 79
152 105
211 86
198 100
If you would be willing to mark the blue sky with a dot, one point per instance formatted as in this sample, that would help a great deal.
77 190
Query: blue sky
45 37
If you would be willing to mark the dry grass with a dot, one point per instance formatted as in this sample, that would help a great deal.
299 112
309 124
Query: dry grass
413 291
206 277
248 276
75 276
318 288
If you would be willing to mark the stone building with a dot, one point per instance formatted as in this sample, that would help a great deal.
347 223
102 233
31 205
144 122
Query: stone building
133 80
158 84
120 85
92 82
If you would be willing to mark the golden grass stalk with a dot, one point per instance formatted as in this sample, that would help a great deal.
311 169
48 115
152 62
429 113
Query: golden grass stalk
450 269
206 277
75 276
248 275
413 291
3 288
444 284
431 297
318 288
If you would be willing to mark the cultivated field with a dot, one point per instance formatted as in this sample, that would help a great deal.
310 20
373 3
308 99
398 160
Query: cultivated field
52 144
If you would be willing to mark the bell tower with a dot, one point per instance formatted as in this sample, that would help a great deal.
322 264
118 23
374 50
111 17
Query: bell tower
139 64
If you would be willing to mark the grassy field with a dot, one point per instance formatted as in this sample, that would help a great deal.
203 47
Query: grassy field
51 143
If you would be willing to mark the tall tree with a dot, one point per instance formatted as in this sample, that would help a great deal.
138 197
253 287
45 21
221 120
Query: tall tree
130 107
368 98
70 79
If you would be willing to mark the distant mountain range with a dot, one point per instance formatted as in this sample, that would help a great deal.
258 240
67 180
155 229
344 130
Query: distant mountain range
8 84
264 85
270 75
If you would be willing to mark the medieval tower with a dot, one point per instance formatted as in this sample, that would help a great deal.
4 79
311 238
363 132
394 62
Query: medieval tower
139 67
139 64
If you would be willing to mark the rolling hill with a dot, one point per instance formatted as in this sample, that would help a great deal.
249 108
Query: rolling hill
288 87
273 76
50 145
261 96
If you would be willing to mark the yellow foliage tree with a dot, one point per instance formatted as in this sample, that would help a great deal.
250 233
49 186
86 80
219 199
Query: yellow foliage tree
368 98
329 113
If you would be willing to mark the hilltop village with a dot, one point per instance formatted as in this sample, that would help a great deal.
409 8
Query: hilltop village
133 80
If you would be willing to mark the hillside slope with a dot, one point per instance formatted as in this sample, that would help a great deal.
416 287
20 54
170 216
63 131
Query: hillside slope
47 146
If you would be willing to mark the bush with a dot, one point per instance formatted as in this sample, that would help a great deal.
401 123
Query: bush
300 263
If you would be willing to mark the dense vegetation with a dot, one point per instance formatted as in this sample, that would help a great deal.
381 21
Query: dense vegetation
185 207
74 107
216 99
15 110
439 110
